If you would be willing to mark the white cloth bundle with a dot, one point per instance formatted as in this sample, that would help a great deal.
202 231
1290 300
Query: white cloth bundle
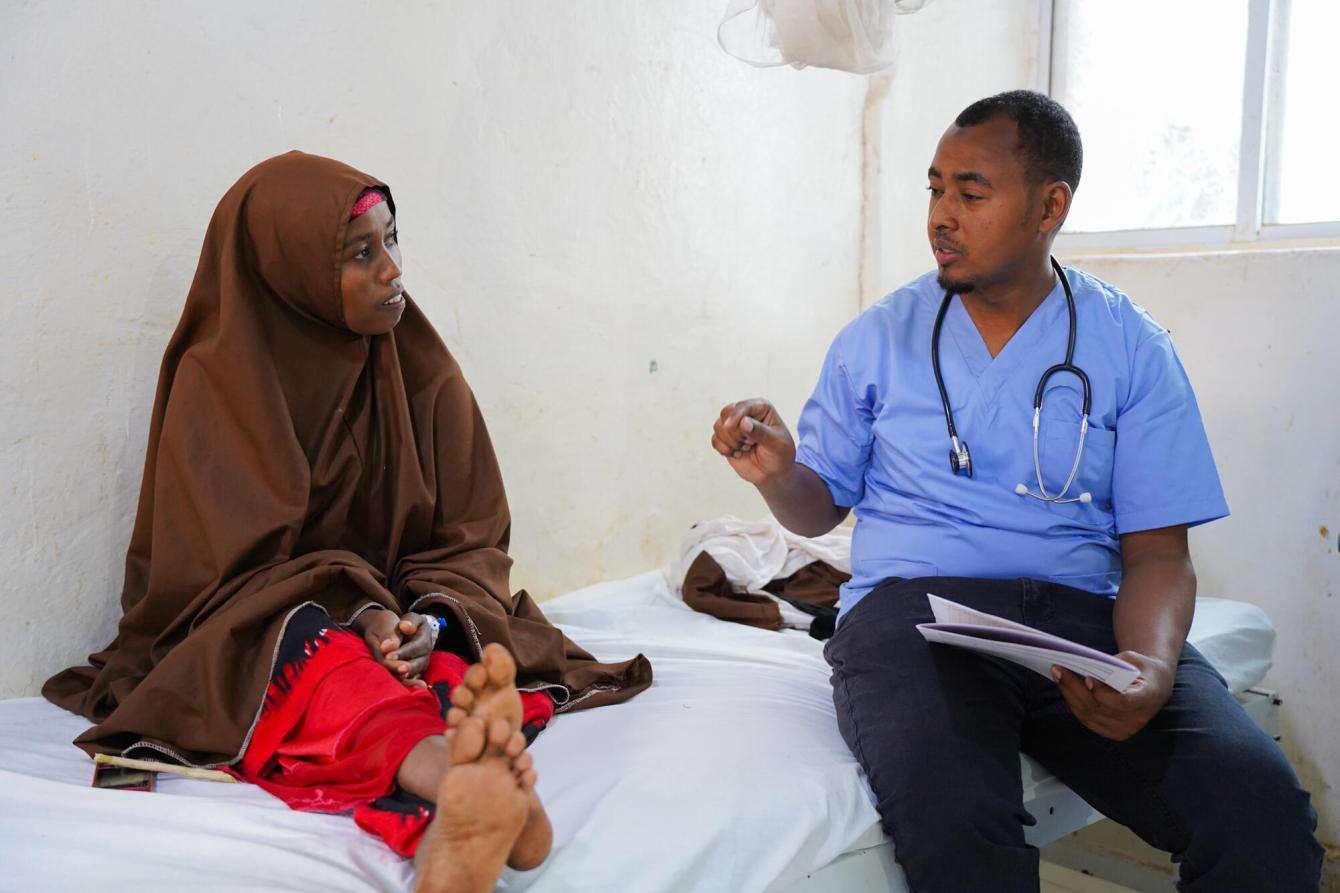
847 35
754 553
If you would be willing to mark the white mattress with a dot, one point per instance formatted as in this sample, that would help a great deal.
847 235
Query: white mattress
728 774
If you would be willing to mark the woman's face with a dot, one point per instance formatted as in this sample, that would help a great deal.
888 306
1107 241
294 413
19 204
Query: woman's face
370 273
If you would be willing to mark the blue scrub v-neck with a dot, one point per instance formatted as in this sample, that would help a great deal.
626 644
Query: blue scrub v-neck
992 372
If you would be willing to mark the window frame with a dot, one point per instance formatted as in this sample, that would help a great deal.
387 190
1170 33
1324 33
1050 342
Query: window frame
1258 151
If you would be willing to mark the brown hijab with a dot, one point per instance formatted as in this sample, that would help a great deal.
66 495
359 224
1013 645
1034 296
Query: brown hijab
292 462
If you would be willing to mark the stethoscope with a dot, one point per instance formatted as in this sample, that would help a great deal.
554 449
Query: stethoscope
960 460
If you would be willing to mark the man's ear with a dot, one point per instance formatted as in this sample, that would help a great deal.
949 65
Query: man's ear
1056 197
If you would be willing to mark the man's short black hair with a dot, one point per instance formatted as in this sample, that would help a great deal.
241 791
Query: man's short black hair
1049 143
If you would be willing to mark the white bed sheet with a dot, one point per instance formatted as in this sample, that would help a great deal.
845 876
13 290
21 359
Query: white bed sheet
728 774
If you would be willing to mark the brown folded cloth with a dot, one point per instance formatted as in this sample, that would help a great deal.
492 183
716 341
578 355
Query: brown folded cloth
813 589
706 589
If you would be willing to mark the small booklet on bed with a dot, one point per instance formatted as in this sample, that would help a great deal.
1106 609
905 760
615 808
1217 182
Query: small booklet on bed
963 627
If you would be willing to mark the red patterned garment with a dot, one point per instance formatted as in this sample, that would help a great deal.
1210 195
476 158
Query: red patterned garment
336 725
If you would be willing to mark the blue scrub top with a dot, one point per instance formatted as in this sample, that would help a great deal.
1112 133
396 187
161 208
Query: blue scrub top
874 431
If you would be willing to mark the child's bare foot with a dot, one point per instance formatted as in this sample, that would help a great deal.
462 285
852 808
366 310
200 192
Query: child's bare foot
536 838
537 835
488 691
481 810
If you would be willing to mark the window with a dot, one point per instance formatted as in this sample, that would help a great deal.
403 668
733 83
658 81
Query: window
1203 120
1304 187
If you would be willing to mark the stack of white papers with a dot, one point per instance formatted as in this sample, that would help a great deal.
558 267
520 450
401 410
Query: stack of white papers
960 625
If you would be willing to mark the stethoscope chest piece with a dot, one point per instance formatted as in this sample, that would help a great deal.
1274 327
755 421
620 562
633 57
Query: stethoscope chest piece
960 460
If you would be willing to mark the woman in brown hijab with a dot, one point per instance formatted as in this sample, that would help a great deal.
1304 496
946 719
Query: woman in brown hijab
318 469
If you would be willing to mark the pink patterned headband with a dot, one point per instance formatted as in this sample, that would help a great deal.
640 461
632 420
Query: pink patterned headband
366 202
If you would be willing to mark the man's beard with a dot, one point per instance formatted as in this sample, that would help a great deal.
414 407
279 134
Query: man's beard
958 288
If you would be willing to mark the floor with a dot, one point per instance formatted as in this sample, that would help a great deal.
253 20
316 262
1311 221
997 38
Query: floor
1056 879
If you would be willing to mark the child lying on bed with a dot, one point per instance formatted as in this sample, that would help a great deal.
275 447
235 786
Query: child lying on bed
321 537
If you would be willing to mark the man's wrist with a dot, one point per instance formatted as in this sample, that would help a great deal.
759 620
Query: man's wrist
777 485
1160 672
1167 671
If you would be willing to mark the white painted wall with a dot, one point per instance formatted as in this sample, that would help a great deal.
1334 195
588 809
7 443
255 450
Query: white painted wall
1258 331
949 55
616 227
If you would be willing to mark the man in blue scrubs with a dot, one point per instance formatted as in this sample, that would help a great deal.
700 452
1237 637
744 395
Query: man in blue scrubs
938 729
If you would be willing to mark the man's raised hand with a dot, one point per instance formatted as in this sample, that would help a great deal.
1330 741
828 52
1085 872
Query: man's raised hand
754 440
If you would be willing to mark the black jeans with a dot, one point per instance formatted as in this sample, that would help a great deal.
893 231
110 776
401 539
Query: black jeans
939 730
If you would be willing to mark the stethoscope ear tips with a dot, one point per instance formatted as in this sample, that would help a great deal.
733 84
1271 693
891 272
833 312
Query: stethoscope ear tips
1021 489
1086 497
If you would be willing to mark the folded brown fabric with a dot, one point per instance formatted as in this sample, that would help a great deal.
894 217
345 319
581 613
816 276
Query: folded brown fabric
812 589
706 589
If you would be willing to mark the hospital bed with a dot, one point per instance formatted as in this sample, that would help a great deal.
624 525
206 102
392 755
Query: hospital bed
727 775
